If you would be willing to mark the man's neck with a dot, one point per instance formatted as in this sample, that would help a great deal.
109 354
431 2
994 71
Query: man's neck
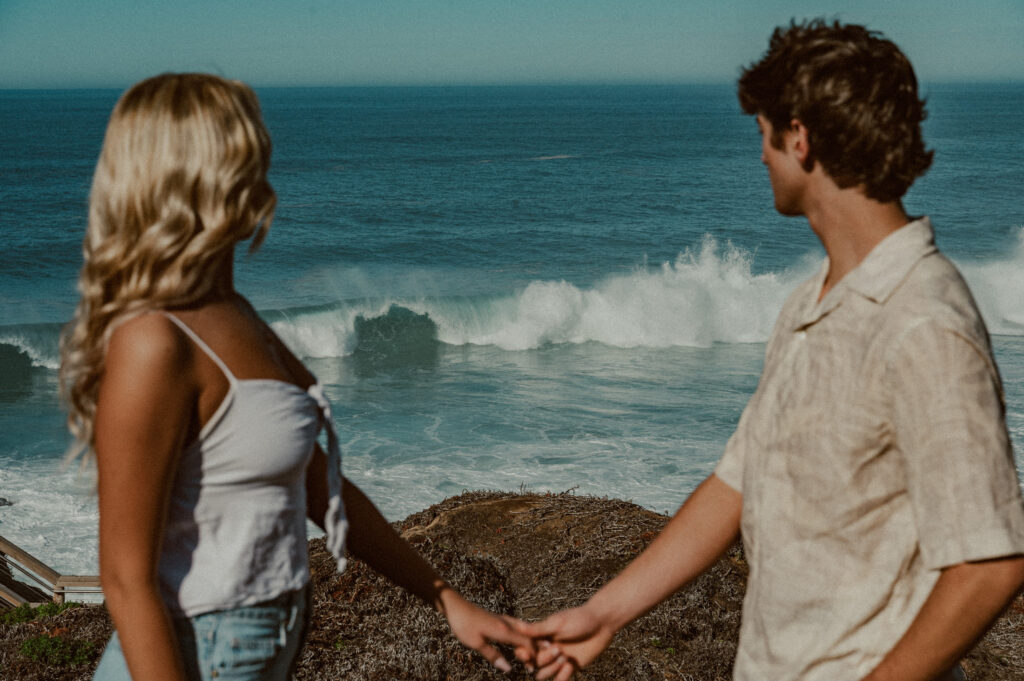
850 225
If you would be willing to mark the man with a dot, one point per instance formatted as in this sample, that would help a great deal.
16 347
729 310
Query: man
871 473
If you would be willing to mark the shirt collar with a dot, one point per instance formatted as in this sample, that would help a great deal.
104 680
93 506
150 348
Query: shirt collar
879 274
891 260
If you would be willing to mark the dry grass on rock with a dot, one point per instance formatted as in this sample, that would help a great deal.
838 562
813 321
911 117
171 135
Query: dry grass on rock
525 555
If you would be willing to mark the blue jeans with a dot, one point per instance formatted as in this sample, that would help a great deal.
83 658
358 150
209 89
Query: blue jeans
254 643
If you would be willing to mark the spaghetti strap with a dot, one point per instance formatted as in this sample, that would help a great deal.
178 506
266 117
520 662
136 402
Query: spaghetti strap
202 345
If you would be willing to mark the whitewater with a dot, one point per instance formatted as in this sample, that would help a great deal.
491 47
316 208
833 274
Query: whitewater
706 295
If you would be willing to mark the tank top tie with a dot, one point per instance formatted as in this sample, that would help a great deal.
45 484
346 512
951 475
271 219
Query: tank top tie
335 521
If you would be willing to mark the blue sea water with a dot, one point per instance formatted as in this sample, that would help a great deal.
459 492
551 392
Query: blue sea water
542 287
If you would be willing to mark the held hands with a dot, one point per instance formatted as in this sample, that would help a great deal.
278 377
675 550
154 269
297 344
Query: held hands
554 648
567 641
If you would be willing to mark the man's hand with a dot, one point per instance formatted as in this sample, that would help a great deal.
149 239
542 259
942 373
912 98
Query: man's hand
703 528
577 636
477 629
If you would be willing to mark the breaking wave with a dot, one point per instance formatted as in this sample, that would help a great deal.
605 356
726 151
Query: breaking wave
707 295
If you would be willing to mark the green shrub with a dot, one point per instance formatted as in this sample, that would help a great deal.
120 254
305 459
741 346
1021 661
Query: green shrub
23 613
27 613
58 651
51 609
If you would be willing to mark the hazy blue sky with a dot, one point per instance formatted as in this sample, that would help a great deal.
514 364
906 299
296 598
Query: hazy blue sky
58 43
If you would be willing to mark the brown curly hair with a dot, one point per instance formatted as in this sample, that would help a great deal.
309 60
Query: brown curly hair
855 92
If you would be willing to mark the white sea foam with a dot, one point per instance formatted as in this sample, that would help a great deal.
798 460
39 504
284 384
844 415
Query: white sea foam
706 296
703 297
998 286
330 333
53 515
649 472
39 350
554 157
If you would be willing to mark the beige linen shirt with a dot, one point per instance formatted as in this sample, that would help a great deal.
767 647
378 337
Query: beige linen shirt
873 453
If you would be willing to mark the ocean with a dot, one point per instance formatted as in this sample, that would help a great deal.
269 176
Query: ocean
541 288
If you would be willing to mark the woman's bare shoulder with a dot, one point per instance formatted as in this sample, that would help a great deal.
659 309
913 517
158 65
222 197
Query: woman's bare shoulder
148 381
300 374
149 342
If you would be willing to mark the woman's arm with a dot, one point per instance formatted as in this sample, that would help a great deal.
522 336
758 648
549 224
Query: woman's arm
374 541
144 407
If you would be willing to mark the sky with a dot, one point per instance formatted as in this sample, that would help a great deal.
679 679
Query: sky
114 43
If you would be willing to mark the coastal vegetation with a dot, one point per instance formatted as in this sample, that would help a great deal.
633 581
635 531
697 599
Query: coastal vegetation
525 555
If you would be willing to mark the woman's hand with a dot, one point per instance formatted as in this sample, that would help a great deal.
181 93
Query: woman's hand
374 541
477 629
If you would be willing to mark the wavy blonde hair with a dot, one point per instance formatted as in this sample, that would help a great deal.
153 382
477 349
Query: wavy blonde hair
181 179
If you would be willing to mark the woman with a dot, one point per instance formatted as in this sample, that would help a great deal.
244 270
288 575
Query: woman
203 425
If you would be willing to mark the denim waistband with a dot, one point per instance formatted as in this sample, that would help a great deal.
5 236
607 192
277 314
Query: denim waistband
285 601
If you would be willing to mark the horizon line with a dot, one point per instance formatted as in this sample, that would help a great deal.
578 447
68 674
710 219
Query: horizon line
495 84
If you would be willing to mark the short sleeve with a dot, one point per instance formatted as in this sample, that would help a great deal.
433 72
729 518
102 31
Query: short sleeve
730 467
949 426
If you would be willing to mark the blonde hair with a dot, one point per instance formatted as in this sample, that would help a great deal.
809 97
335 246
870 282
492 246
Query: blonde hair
181 179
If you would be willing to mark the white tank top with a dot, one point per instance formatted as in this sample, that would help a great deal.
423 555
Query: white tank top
236 524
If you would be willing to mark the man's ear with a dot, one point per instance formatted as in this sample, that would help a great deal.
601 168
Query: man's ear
801 144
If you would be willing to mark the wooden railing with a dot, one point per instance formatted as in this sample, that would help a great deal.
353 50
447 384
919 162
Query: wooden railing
40 583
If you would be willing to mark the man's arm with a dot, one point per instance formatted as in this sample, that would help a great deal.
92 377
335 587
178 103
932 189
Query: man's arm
963 604
948 414
701 530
